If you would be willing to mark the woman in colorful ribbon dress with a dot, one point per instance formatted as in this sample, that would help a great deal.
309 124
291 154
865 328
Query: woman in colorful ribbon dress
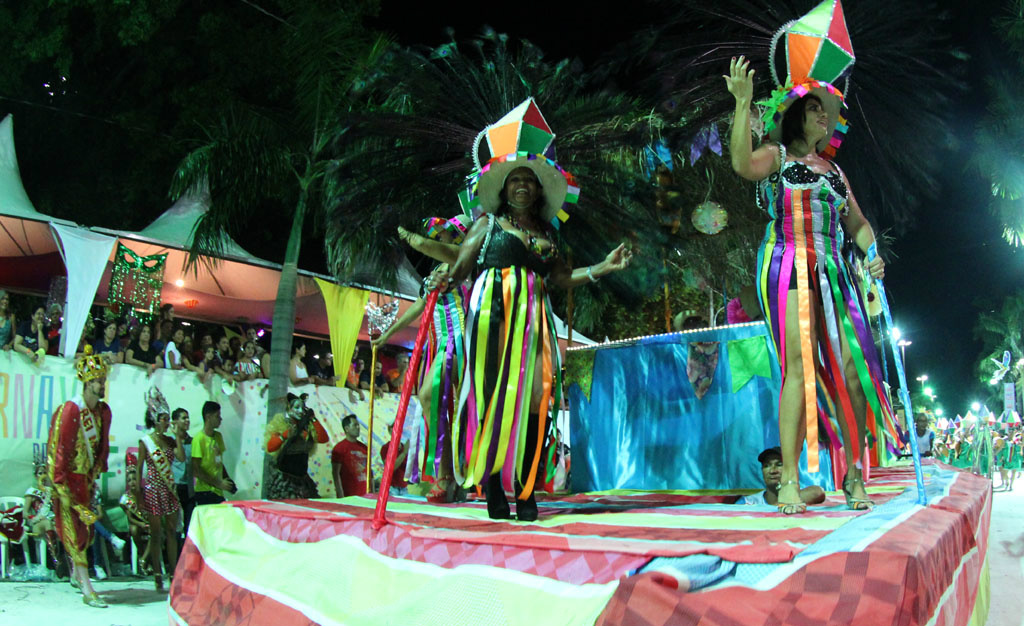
443 364
513 382
809 296
159 494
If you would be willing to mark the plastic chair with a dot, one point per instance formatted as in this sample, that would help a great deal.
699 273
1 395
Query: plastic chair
10 511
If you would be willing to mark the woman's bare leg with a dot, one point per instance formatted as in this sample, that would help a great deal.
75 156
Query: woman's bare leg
858 401
155 548
170 523
792 406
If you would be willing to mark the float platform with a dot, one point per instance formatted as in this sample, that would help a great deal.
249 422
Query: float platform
611 558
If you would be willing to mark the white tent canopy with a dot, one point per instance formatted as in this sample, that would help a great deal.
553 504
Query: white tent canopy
239 288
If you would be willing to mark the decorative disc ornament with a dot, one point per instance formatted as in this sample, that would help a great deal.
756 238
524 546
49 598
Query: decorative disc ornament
380 318
710 218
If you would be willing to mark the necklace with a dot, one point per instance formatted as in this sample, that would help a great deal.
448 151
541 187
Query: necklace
532 244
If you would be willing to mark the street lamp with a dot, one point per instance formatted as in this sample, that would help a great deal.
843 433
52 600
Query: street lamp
975 406
902 344
939 412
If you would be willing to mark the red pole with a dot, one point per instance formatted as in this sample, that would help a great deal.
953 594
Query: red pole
426 320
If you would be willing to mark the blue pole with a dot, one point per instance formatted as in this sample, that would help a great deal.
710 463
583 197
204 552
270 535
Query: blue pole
908 411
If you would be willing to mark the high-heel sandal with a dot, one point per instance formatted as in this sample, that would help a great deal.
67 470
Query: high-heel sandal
791 508
93 599
856 504
442 491
158 582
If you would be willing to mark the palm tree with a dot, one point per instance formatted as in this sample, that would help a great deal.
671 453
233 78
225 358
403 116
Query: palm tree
1000 133
259 156
1001 330
408 160
904 63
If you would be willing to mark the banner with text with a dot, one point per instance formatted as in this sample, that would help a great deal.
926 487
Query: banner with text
29 394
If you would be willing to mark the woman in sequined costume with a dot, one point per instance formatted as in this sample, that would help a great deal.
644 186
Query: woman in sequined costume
159 497
810 299
443 365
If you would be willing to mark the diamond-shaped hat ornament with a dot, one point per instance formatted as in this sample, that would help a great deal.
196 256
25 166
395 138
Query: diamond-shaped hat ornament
818 53
818 45
523 129
521 138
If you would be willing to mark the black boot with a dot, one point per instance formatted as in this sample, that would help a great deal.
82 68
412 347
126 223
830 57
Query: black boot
526 510
497 504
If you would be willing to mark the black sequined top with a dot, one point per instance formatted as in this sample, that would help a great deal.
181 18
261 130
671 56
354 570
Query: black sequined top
798 173
505 249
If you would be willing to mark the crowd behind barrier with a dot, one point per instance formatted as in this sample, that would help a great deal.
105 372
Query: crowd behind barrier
235 354
30 391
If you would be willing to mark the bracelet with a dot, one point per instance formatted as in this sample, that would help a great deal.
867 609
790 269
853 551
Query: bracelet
590 274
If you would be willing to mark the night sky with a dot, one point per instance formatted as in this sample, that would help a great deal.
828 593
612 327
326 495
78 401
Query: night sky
950 265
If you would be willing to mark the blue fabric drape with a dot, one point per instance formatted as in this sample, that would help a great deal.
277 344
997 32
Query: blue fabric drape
644 427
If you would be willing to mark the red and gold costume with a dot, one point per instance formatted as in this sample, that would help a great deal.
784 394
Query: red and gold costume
76 455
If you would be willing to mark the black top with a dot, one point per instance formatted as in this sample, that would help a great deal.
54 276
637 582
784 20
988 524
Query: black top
29 339
295 464
382 380
798 173
314 369
99 347
505 249
146 356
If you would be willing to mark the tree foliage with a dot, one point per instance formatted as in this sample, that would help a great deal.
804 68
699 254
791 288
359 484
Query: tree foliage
904 64
405 159
1000 134
1001 329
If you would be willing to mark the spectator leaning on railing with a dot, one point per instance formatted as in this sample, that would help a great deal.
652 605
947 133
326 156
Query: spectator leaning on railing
7 324
107 344
30 339
141 352
172 351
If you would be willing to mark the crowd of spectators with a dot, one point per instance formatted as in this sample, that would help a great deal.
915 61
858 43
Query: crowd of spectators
206 349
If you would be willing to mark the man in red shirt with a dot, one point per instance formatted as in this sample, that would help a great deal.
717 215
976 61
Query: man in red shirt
348 461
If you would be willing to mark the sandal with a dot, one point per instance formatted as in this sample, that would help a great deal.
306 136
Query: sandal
93 599
856 504
791 508
442 492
